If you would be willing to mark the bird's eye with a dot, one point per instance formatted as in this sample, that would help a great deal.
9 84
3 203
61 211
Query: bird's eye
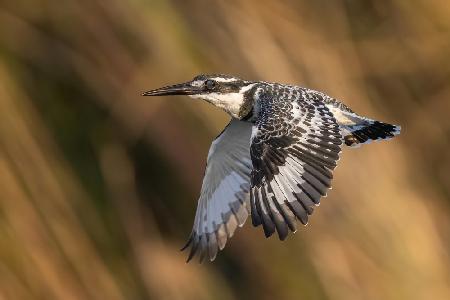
210 84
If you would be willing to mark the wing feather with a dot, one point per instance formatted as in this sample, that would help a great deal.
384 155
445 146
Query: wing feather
224 202
294 149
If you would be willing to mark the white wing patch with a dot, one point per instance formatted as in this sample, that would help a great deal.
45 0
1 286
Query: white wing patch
224 199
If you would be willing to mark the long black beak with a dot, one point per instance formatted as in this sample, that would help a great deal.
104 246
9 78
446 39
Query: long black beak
178 89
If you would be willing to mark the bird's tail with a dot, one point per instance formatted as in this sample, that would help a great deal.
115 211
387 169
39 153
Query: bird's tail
368 131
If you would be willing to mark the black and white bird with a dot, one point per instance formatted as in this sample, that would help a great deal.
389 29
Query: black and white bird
274 160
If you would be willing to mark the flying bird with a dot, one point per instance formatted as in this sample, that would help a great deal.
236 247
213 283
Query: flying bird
275 158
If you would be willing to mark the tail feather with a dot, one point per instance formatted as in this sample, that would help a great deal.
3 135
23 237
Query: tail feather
369 131
356 129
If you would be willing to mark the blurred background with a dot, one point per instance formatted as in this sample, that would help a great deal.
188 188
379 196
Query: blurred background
98 185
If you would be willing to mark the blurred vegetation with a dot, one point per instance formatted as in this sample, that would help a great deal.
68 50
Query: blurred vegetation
98 185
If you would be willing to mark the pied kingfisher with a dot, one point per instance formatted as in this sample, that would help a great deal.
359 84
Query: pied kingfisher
275 158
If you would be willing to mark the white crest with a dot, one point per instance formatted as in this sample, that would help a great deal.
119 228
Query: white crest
222 79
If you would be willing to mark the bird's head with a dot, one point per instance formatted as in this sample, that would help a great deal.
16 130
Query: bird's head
232 94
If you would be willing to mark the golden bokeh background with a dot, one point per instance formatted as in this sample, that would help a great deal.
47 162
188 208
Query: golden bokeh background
98 185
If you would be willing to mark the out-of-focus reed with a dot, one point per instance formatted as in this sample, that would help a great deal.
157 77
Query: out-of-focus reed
98 185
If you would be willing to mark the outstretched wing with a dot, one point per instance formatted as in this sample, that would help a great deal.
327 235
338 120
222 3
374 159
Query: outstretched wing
224 199
295 146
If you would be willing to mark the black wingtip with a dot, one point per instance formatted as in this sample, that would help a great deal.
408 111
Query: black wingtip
187 244
281 227
267 233
282 236
268 228
282 230
194 249
192 253
256 221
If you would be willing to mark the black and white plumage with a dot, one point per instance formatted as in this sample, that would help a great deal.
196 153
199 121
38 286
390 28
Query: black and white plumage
274 160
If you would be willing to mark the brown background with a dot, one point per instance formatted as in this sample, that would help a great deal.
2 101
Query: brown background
98 185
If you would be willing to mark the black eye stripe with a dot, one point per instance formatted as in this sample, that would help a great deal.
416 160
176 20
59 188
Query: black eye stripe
210 84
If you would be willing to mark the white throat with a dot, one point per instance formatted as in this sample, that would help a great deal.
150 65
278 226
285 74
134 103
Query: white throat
230 103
